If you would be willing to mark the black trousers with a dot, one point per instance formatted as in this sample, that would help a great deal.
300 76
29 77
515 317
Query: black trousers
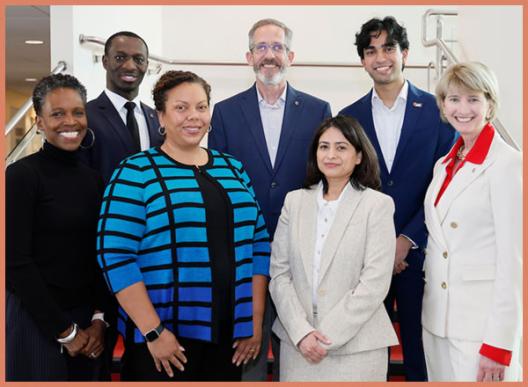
205 362
111 334
32 356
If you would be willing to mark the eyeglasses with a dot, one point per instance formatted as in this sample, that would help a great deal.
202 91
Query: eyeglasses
262 48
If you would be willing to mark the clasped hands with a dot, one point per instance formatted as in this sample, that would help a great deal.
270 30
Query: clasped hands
88 342
310 346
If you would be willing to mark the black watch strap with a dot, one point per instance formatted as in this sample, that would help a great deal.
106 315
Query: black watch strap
153 334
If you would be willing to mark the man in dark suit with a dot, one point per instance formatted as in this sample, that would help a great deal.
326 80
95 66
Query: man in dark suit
121 129
269 128
404 125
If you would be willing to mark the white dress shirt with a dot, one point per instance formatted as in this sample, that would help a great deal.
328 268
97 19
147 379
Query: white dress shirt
326 211
388 122
271 116
119 104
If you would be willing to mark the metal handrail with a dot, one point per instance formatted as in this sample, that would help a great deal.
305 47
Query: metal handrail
183 62
22 145
451 57
61 66
438 41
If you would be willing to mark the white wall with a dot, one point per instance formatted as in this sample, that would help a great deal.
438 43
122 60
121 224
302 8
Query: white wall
498 44
320 34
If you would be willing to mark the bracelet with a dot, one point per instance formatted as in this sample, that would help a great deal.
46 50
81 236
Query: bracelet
68 339
100 316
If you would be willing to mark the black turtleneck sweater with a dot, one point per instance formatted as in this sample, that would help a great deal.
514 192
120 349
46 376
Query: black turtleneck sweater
52 207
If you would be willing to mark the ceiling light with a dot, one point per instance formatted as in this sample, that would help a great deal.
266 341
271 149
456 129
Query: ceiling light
34 42
31 79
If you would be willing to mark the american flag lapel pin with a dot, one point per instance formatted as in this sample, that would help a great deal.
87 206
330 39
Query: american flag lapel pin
417 104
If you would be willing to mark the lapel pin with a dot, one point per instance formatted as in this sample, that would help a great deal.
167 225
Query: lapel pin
296 103
417 104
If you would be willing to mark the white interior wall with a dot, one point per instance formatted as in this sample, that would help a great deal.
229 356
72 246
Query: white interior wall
498 44
320 34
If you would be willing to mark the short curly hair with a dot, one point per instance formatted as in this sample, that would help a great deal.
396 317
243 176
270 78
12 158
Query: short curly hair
128 34
170 80
52 82
395 33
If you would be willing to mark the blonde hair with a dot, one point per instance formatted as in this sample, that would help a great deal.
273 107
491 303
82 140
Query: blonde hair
472 76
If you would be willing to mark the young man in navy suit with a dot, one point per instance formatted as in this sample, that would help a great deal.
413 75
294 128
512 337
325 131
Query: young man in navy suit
269 128
119 132
404 125
122 124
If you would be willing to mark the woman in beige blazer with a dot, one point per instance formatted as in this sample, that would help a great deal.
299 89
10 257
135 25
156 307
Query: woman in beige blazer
472 306
331 264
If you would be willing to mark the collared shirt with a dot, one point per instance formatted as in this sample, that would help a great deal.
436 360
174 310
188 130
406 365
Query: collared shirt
388 123
476 155
271 116
326 211
119 105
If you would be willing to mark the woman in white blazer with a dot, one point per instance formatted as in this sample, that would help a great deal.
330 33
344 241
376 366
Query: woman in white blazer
472 306
331 265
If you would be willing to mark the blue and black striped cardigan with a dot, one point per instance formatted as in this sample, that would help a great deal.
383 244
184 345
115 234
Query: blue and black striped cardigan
152 228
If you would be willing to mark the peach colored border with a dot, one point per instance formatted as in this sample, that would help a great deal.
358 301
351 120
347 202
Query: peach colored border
235 2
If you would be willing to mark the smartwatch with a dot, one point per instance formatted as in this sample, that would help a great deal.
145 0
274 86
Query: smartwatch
153 334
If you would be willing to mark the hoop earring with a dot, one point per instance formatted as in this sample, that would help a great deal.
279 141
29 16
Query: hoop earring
209 129
162 131
93 140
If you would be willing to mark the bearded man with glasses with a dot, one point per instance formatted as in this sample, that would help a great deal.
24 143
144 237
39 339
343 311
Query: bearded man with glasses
269 128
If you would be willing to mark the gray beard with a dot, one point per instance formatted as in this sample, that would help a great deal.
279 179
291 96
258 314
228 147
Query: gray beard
274 81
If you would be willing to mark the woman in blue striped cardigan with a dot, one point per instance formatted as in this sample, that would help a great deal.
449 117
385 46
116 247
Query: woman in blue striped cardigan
184 247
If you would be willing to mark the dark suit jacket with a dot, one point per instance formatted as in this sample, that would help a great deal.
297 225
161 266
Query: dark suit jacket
113 142
237 129
424 139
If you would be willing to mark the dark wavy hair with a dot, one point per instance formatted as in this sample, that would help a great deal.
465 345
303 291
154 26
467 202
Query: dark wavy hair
395 33
366 174
170 80
52 82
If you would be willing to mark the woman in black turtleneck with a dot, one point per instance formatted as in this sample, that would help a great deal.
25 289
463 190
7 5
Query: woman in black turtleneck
55 293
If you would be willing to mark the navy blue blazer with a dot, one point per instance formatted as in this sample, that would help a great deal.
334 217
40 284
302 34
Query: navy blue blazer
424 139
237 130
113 141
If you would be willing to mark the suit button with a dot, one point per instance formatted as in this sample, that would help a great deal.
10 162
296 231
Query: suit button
274 184
390 183
454 224
444 254
444 285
